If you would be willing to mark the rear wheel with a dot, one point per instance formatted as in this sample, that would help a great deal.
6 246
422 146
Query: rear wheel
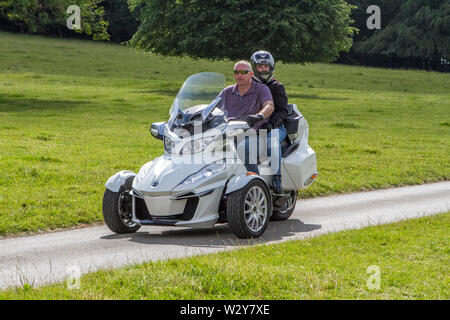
248 210
286 209
117 209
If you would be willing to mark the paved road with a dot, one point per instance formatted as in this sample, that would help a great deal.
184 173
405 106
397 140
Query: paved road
51 257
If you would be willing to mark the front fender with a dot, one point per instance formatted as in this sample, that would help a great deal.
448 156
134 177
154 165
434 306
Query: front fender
238 182
116 181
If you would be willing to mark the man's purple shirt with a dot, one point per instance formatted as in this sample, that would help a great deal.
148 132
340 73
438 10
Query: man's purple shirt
251 102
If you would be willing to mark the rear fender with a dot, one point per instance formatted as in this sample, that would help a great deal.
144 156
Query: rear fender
116 181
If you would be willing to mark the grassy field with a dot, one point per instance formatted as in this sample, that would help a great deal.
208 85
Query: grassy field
412 257
72 113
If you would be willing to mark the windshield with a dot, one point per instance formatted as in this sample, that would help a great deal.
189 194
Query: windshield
198 90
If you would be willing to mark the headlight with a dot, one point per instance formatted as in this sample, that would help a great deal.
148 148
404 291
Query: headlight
198 145
205 172
168 144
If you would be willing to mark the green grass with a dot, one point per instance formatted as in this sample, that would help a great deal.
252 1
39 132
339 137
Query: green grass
412 256
72 113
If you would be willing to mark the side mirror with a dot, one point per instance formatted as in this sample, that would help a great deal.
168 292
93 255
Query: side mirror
157 130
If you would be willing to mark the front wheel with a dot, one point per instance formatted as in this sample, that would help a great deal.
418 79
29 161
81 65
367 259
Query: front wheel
117 209
249 209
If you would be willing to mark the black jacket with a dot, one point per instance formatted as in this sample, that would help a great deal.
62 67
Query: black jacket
280 100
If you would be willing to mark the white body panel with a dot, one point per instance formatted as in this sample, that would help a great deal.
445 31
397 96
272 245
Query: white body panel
299 167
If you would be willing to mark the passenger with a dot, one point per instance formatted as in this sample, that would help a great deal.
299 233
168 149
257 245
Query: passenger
263 65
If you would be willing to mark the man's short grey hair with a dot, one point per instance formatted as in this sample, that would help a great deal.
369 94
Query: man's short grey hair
244 62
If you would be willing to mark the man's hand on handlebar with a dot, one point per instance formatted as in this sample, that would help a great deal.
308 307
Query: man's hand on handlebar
254 118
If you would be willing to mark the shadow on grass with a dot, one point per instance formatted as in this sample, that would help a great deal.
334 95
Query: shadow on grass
172 92
218 236
314 97
14 103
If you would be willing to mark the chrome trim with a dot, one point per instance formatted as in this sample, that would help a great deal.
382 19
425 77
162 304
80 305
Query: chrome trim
157 222
190 194
137 194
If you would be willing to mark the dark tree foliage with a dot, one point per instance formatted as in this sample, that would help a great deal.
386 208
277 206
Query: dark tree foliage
49 17
292 30
414 34
421 28
122 24
389 8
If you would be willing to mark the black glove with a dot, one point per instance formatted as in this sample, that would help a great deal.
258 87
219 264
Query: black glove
254 118
277 123
267 125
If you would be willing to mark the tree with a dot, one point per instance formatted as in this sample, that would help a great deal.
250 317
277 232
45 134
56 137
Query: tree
292 30
122 23
50 16
421 29
389 8
414 34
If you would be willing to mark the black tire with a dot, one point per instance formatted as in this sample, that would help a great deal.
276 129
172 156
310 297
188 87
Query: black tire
280 215
111 214
236 204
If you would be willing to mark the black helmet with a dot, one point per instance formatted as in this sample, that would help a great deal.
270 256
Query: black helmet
263 57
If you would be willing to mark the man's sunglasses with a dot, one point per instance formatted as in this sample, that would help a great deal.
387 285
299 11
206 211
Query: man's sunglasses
241 71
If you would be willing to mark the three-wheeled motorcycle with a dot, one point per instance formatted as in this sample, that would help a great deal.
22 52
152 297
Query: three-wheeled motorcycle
199 180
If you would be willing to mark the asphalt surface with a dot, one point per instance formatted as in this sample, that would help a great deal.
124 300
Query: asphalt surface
57 256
